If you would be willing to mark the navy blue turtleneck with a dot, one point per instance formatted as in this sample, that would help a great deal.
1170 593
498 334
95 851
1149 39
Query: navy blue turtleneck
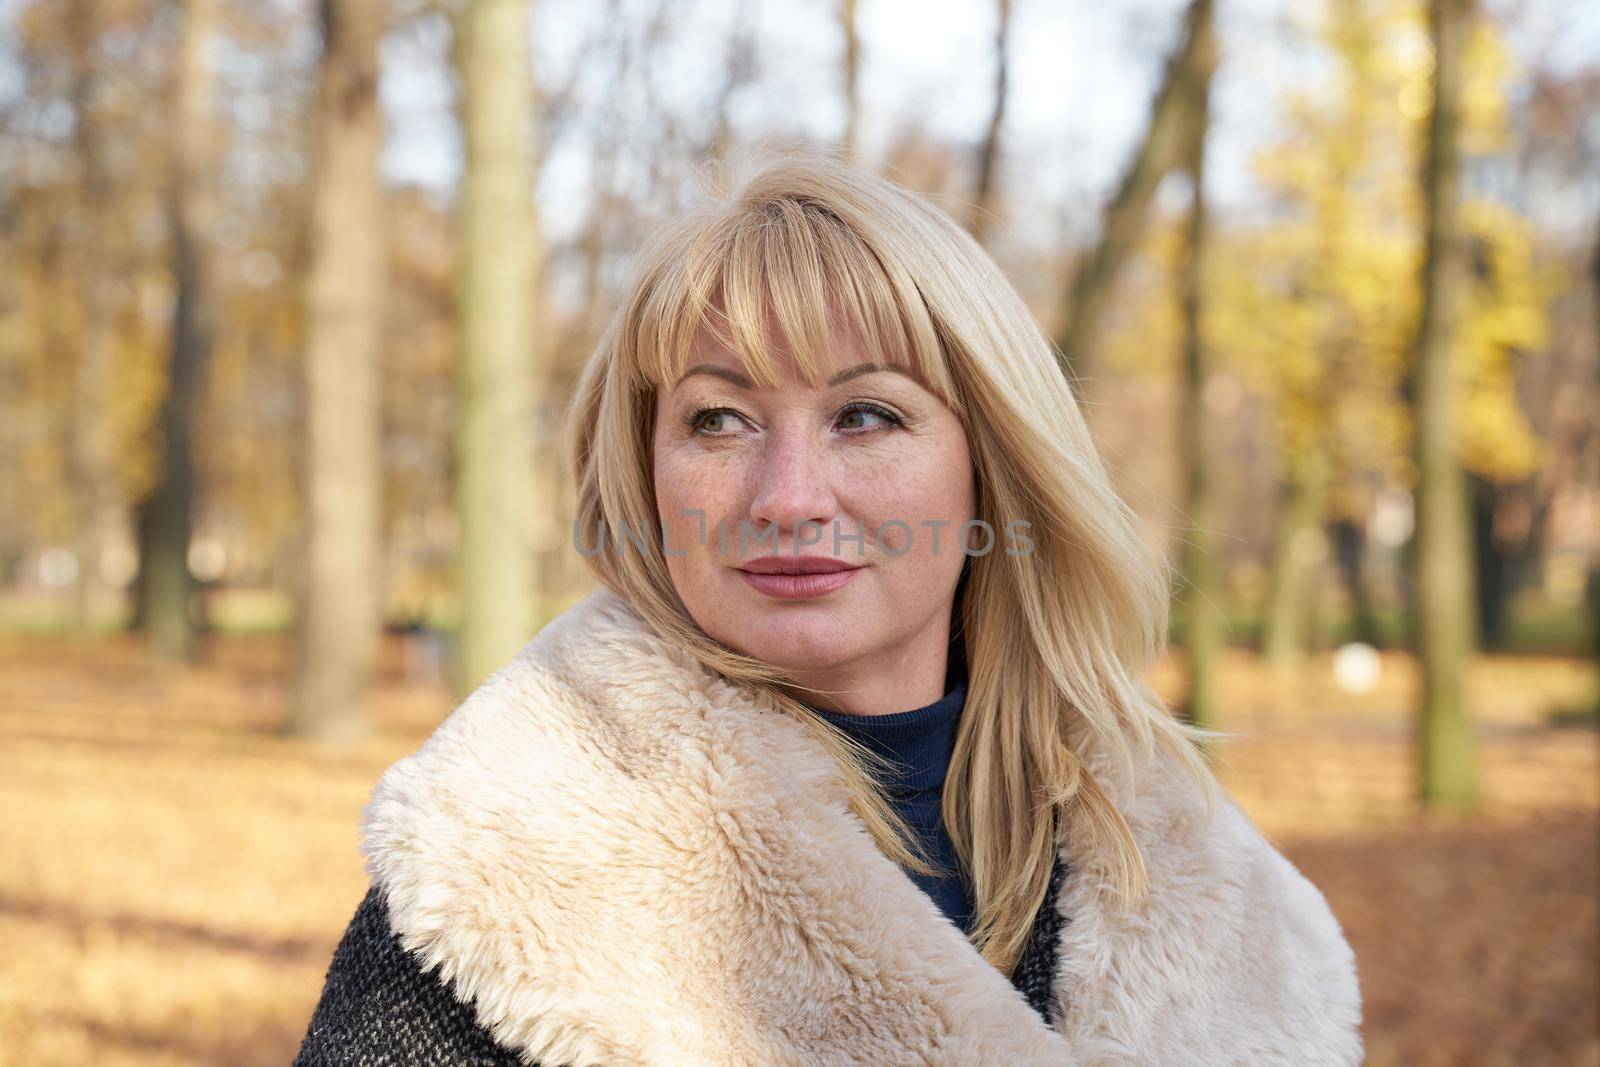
921 741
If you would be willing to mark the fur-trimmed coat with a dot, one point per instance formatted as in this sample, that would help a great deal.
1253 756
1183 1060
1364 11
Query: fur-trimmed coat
609 855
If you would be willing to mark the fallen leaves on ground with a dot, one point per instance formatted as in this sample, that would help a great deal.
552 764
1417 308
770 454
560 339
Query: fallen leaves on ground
176 875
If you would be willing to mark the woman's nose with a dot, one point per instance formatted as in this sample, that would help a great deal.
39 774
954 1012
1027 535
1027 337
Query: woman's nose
793 485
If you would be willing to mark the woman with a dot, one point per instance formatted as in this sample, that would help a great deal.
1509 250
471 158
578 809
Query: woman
829 470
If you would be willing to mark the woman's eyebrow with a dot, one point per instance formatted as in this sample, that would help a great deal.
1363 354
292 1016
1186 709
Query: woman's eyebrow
745 383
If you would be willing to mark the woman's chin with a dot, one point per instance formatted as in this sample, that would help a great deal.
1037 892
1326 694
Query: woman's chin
812 644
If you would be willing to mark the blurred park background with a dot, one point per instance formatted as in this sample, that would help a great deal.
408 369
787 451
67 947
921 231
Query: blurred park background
292 296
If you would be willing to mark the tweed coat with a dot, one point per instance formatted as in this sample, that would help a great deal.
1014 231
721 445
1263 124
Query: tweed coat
610 855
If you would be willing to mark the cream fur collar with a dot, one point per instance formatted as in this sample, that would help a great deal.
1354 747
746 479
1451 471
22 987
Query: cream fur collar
622 859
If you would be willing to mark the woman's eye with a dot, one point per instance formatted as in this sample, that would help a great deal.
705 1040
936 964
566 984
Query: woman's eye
859 417
855 419
710 421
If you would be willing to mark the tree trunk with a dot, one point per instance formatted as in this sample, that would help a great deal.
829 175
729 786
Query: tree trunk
1495 567
339 602
984 197
1445 626
1161 150
1352 548
1298 548
92 450
1202 555
1592 585
165 518
497 353
851 63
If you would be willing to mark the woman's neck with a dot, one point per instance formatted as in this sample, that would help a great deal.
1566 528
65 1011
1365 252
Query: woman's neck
912 676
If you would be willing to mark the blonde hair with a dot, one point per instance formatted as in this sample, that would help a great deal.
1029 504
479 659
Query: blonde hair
1055 639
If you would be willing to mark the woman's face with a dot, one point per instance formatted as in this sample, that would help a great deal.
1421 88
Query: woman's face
865 480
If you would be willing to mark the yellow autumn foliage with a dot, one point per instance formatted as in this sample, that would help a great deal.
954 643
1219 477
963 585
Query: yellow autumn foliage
1312 301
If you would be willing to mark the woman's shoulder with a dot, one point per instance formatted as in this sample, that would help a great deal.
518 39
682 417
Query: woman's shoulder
379 1005
1230 939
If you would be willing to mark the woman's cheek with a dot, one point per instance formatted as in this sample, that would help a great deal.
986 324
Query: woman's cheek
696 500
919 512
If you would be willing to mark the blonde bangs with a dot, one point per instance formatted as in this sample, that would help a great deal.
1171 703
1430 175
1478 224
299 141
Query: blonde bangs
777 274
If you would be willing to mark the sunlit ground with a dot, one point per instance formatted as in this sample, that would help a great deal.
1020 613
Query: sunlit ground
174 877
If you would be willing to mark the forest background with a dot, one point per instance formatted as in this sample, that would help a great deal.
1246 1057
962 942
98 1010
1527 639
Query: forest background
293 297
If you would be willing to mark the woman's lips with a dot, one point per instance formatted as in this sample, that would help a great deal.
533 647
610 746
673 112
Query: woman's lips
799 586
